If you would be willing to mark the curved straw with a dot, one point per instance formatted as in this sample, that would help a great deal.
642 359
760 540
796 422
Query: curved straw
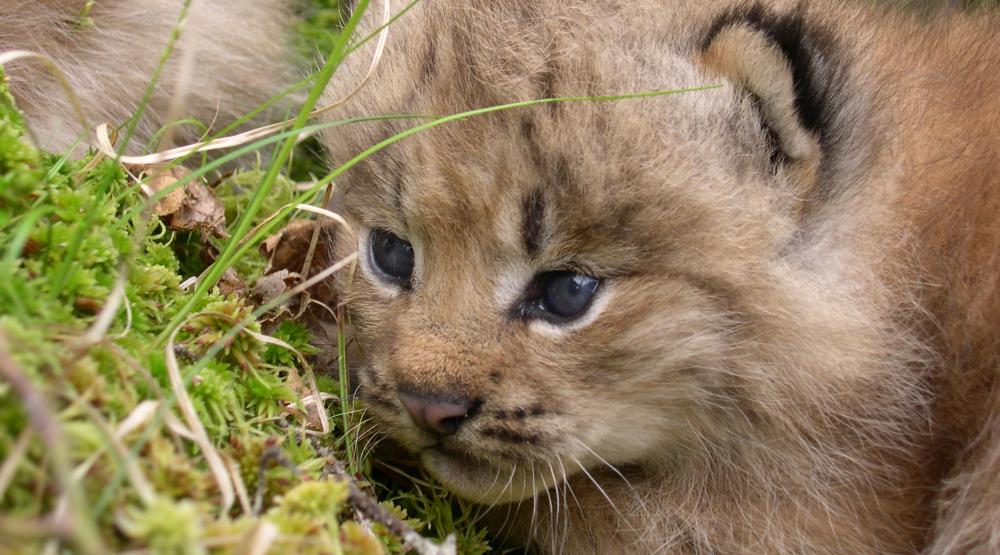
104 138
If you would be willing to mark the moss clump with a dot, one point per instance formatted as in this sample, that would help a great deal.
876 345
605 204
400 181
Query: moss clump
20 165
166 527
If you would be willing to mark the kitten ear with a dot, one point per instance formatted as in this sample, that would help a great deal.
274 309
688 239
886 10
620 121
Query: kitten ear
750 59
785 64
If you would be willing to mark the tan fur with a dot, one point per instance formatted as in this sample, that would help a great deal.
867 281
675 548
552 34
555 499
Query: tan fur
232 55
797 358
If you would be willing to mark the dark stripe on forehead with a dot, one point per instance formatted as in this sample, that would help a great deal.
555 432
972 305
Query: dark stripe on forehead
429 63
386 172
533 222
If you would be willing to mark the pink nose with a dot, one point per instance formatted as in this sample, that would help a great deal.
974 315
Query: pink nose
436 415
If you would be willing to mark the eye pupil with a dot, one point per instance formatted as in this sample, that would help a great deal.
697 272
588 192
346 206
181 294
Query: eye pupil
567 294
392 256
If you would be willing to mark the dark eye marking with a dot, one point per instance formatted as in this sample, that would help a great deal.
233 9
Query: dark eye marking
392 257
558 297
534 222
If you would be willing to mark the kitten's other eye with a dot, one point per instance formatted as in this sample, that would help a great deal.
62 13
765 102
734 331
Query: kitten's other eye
392 256
566 295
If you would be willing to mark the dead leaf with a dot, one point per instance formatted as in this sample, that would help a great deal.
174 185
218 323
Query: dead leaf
200 211
271 286
231 283
189 208
161 179
286 249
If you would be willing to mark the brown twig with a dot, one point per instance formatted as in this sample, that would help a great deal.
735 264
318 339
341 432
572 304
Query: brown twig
272 455
369 507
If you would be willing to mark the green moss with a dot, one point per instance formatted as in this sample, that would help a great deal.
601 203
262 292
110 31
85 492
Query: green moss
317 29
20 165
166 527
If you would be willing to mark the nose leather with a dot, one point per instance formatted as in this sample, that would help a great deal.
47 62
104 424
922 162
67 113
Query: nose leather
437 415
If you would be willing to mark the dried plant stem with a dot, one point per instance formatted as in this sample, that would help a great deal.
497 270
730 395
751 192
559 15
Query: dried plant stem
231 250
13 528
142 485
272 454
368 507
260 539
104 142
212 457
241 488
324 420
99 329
314 240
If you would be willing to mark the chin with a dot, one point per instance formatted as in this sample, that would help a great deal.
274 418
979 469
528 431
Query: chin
482 481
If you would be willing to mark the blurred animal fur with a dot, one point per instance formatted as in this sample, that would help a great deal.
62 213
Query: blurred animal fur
794 344
231 56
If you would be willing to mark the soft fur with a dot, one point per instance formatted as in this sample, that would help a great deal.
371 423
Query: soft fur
232 55
795 346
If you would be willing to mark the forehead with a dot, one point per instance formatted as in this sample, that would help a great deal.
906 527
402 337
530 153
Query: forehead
510 175
589 167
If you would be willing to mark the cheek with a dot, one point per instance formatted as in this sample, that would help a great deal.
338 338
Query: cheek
372 317
658 348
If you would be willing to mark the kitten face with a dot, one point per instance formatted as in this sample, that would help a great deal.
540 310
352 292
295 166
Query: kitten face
722 290
547 290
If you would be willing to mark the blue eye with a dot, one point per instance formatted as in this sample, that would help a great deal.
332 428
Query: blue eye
560 296
567 294
392 256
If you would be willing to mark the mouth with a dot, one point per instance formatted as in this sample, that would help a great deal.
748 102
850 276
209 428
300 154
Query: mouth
480 479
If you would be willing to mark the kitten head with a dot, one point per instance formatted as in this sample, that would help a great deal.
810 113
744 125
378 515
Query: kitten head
546 290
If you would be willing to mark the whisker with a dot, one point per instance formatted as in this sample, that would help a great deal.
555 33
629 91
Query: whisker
548 498
566 493
600 489
350 411
496 498
370 447
510 506
569 486
534 505
555 517
517 509
617 472
606 463
367 434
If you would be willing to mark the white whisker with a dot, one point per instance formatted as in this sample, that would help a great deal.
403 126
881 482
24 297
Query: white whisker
635 493
600 489
534 506
555 517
